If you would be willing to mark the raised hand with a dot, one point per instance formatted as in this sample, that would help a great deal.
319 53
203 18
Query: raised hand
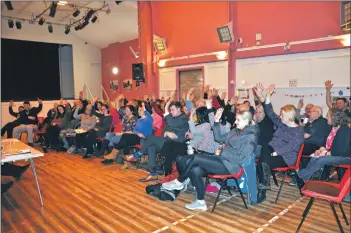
39 100
259 88
300 104
146 97
207 88
328 85
95 98
234 100
215 92
192 113
208 103
218 114
224 95
271 89
153 97
11 103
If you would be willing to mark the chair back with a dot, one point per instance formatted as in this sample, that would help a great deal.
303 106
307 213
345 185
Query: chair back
118 128
159 132
344 185
299 156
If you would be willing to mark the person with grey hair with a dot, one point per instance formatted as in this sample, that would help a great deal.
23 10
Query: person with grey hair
336 151
316 131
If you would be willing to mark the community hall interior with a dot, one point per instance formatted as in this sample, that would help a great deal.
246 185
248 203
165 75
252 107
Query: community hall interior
175 116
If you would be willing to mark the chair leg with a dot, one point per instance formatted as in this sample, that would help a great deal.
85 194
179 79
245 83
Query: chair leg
336 217
281 187
275 179
219 193
343 214
304 215
138 163
241 194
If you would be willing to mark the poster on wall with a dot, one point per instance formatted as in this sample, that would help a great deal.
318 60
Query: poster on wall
114 85
127 84
243 94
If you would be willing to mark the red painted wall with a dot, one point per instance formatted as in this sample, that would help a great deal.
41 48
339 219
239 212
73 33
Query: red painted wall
190 27
119 55
280 22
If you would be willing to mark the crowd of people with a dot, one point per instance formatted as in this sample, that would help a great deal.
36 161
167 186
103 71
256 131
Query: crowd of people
194 137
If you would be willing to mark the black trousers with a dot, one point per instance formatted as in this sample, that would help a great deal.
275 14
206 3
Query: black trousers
272 161
9 128
86 140
127 140
10 170
170 151
152 146
52 135
197 166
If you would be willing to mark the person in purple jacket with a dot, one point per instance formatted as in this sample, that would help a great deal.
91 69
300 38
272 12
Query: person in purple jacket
282 150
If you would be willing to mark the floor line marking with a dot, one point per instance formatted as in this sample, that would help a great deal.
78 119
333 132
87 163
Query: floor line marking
193 215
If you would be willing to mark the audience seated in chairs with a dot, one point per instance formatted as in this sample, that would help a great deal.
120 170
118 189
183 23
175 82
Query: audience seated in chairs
28 120
129 121
61 121
239 145
175 129
11 125
283 149
142 129
87 123
336 151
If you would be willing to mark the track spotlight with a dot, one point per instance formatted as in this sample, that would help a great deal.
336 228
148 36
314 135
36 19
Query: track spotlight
108 11
18 24
118 2
89 15
8 5
93 20
76 13
78 27
50 28
41 21
84 24
53 9
68 29
10 22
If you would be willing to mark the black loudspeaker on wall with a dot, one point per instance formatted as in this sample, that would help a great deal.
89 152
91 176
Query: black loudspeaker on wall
138 72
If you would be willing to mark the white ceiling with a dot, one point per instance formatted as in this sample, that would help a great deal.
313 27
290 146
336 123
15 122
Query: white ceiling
118 26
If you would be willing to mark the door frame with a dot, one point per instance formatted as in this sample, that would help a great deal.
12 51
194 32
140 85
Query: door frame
202 68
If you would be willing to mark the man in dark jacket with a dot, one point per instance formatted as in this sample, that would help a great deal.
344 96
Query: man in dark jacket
28 120
175 129
316 131
11 125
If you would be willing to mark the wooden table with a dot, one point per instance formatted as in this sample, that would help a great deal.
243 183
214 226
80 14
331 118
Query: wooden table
13 150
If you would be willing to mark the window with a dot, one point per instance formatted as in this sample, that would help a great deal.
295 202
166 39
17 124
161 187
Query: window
345 15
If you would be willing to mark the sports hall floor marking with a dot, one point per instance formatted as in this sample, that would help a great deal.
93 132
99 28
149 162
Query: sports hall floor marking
193 215
275 218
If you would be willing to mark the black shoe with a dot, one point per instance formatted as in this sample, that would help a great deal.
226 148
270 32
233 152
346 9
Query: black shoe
86 156
261 195
24 169
30 144
5 187
108 150
107 161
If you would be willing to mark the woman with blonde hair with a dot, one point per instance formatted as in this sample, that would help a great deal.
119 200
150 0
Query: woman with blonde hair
282 150
238 145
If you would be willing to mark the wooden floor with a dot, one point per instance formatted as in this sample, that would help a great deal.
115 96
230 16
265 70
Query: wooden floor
84 196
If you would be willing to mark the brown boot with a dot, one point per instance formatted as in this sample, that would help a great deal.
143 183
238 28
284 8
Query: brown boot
112 155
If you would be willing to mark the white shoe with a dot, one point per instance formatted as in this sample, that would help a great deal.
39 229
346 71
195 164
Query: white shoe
173 185
185 184
196 205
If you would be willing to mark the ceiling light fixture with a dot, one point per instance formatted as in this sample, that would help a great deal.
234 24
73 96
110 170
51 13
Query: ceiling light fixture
67 30
160 44
53 9
93 20
78 27
41 21
118 2
50 28
89 15
11 24
115 70
8 5
62 3
76 13
18 25
225 33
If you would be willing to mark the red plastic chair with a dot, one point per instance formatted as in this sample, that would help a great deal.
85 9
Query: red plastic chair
224 179
284 170
332 192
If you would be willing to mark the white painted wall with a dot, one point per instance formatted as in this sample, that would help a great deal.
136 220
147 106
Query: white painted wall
86 57
215 74
310 70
